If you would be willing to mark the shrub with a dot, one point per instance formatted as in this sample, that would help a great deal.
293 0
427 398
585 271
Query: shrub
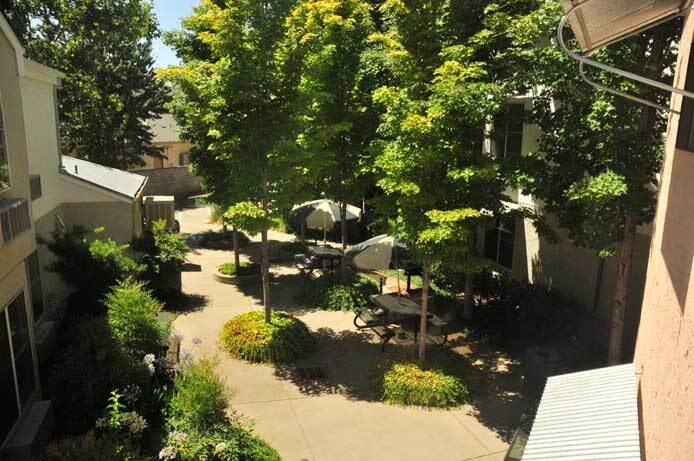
442 381
84 372
295 247
198 425
509 309
222 239
132 317
163 252
88 447
247 336
199 401
89 268
331 294
243 269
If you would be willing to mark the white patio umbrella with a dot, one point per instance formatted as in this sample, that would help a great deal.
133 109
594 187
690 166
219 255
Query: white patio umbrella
380 252
322 214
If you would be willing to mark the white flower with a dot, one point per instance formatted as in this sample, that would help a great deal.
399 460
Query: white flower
101 423
167 453
178 436
149 361
134 422
131 393
219 448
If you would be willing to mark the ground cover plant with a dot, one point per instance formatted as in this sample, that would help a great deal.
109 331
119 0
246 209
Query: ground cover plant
242 269
285 338
444 381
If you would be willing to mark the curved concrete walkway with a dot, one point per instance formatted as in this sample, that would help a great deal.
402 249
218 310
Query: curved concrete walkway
335 417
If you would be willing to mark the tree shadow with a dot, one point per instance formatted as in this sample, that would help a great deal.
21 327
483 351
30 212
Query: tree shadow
185 302
340 365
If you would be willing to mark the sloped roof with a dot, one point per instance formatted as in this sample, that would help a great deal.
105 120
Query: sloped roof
587 415
111 179
164 129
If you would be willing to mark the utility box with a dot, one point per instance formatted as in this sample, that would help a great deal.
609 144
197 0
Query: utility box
158 208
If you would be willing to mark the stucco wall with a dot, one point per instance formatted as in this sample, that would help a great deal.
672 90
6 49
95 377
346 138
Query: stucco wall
171 152
176 181
665 344
115 217
16 251
54 290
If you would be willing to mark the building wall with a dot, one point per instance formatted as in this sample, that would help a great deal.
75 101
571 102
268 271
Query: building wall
176 181
171 152
117 218
665 345
14 253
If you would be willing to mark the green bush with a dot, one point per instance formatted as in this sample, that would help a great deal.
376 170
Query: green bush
442 381
88 447
89 267
200 400
249 337
132 317
85 370
163 253
295 247
222 239
198 425
329 293
243 269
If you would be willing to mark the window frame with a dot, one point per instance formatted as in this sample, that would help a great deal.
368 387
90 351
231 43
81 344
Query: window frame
5 317
501 152
3 128
499 231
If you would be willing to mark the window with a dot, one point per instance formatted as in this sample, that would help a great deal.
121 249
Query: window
14 218
685 130
508 131
183 159
34 278
4 156
35 185
17 371
498 243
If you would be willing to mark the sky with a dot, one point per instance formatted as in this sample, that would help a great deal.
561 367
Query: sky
169 13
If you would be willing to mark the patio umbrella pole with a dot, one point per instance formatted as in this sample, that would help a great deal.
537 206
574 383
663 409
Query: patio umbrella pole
397 270
325 231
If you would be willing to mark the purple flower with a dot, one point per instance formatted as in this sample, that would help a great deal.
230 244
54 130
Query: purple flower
197 341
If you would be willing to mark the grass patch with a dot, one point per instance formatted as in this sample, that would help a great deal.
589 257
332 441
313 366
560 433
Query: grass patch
222 240
242 269
284 339
443 381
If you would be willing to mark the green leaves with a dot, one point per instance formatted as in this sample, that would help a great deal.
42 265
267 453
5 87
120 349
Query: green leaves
248 217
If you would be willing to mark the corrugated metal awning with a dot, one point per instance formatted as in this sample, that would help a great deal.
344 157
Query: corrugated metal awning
589 415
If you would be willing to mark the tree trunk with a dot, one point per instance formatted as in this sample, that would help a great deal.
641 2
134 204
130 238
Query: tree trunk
265 253
623 259
425 310
236 248
343 224
469 280
303 232
385 223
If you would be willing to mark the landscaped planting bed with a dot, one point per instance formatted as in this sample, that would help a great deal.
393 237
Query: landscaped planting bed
247 336
229 273
442 381
222 240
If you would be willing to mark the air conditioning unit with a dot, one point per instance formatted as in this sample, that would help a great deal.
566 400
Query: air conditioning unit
157 208
14 218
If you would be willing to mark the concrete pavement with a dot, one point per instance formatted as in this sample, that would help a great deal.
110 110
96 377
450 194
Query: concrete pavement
335 417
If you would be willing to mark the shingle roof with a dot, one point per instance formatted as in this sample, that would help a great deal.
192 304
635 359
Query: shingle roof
114 180
587 415
164 129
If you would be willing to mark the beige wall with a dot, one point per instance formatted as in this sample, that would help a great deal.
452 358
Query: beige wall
665 345
117 218
18 249
171 155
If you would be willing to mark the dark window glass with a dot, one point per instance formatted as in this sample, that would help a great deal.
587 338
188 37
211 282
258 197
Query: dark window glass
8 396
508 131
499 243
35 186
21 348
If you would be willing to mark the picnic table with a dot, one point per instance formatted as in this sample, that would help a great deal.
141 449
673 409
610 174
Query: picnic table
383 276
401 311
318 258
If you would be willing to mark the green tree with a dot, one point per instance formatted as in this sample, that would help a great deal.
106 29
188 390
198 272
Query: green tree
104 47
432 160
235 104
336 115
599 155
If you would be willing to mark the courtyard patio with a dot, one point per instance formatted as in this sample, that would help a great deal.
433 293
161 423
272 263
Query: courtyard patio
322 408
